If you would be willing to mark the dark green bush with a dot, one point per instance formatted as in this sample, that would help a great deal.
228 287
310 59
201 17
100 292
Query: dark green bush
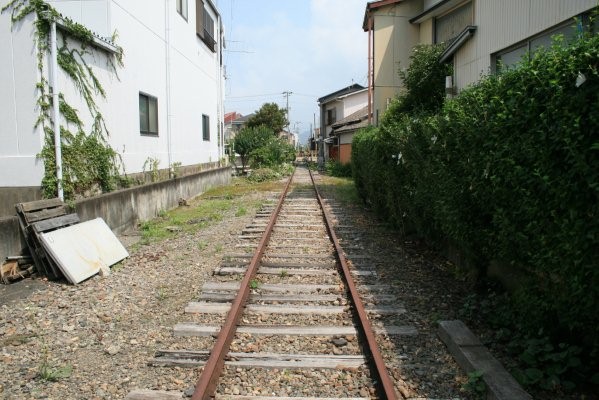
507 171
335 168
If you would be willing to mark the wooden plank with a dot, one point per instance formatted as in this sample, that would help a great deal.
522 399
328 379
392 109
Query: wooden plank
196 330
272 264
283 298
233 397
34 216
144 394
55 223
182 358
273 288
374 288
471 355
291 298
221 308
288 255
320 238
274 271
358 257
358 272
40 204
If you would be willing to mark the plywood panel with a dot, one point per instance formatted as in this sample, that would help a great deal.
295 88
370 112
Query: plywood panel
81 250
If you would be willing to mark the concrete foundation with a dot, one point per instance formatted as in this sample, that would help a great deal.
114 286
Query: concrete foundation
123 209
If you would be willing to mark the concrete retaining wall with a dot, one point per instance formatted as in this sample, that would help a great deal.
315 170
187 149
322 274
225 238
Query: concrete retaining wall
123 209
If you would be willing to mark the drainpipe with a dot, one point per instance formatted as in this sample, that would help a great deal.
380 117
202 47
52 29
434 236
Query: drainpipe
167 61
370 69
220 103
55 106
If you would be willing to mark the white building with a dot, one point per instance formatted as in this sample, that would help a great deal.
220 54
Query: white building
335 107
166 104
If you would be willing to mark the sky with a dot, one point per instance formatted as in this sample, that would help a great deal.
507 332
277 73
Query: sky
308 47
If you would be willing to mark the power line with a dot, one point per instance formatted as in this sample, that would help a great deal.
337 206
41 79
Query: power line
252 95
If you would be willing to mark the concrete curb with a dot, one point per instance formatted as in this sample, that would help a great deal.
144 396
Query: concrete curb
471 355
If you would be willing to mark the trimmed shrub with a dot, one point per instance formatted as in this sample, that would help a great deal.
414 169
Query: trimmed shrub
335 168
507 171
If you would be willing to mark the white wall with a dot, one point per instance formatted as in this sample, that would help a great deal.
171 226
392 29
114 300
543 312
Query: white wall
94 14
354 102
195 85
20 141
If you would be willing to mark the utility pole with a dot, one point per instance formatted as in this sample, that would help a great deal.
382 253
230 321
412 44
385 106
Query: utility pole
287 94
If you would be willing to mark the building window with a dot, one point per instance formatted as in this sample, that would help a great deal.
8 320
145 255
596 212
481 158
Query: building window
450 25
206 127
148 114
331 116
182 8
205 25
569 30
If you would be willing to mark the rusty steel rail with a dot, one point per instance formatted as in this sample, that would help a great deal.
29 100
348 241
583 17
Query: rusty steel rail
386 388
206 386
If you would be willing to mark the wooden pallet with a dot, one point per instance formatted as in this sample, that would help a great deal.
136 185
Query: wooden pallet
37 217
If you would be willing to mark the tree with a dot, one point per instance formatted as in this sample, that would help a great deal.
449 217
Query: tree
250 139
273 153
424 81
270 116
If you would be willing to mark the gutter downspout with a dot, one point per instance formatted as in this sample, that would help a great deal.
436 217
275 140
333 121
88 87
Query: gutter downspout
167 40
220 112
56 106
370 69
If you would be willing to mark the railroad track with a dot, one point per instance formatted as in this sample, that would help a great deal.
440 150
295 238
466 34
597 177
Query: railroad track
292 318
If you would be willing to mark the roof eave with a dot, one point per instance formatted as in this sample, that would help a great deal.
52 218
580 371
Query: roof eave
436 10
458 42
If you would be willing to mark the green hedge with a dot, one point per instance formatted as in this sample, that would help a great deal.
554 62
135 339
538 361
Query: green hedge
508 171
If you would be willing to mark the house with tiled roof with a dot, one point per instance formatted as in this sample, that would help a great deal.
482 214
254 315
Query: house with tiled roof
481 37
343 132
335 107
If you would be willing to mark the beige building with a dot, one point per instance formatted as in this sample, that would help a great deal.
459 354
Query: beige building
482 35
335 107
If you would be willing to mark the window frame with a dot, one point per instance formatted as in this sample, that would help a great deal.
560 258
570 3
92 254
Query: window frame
182 7
331 116
528 42
206 127
455 10
202 17
148 98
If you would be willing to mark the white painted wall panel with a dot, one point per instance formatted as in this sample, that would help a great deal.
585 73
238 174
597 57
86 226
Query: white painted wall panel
354 102
93 14
21 142
195 82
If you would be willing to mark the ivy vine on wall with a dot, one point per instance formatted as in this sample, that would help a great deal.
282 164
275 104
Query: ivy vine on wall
90 165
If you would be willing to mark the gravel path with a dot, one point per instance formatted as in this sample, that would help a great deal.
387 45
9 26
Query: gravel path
94 340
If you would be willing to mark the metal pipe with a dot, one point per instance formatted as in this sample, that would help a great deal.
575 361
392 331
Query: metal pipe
386 388
167 61
370 69
56 107
206 385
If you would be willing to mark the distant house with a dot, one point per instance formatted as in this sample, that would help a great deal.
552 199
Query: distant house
240 122
230 132
289 137
333 108
166 104
343 132
481 37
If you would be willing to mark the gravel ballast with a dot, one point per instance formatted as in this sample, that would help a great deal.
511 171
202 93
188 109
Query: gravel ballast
94 340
